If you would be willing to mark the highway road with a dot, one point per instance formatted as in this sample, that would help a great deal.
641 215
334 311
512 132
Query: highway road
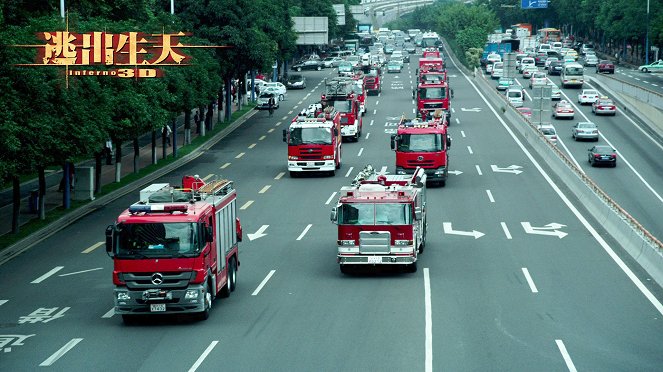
650 81
537 289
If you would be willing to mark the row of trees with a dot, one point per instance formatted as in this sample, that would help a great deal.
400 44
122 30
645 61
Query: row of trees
45 123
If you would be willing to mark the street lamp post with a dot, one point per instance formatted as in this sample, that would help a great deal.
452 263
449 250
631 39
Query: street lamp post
647 37
62 9
172 6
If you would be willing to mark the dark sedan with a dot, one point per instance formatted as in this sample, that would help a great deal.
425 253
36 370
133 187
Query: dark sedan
555 68
602 154
605 65
308 64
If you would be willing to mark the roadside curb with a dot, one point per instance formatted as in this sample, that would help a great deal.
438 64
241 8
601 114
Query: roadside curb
75 215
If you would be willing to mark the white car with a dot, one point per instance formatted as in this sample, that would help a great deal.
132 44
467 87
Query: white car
556 93
277 88
498 70
538 78
588 96
525 62
549 132
515 96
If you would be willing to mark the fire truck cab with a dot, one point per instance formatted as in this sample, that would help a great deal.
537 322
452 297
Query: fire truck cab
176 249
381 220
423 144
314 142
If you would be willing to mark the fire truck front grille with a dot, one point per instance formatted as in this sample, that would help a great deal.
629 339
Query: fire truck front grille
426 163
374 242
167 280
312 153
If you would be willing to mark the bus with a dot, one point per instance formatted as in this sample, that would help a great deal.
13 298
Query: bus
572 75
549 35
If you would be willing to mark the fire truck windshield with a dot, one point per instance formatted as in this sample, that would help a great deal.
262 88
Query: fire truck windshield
159 239
432 93
375 214
419 142
315 135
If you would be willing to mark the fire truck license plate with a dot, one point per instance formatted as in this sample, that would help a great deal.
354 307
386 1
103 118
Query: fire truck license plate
157 307
374 259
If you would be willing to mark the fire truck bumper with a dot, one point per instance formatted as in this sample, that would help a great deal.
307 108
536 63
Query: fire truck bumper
159 301
432 174
311 166
375 260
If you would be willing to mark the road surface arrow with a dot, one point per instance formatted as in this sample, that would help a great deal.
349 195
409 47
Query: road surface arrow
474 109
510 169
449 230
456 172
258 234
550 229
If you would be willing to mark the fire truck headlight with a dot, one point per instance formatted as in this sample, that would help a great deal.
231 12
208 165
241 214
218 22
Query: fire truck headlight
346 242
402 242
293 158
328 157
191 294
440 171
400 171
123 296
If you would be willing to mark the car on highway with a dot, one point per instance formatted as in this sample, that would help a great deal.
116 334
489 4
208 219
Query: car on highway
410 48
263 100
571 54
549 132
585 130
652 67
538 78
515 96
563 109
525 62
492 58
525 111
605 65
604 106
555 92
585 48
389 48
602 154
345 69
540 58
528 71
308 64
498 70
489 68
555 68
588 96
394 66
550 60
504 83
590 60
354 60
277 88
330 62
296 81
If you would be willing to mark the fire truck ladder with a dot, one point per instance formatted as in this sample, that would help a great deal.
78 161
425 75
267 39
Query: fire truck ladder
217 187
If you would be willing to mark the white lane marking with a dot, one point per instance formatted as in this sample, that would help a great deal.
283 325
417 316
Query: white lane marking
289 112
278 122
239 155
349 171
375 111
330 198
414 111
264 189
2 302
429 322
367 135
490 196
109 313
462 133
304 232
655 142
506 230
634 279
638 79
252 145
246 205
566 356
655 85
453 110
262 284
208 176
202 357
278 176
270 130
469 149
379 94
528 277
478 169
262 138
377 102
300 102
371 122
58 354
224 166
308 94
360 151
82 271
412 100
457 121
48 274
93 247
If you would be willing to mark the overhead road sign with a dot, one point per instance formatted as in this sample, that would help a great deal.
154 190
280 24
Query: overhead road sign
534 4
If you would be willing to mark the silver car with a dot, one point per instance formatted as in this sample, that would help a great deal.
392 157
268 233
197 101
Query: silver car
585 130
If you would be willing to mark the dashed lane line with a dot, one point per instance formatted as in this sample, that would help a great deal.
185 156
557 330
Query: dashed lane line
93 247
262 284
301 236
246 205
58 354
47 275
224 166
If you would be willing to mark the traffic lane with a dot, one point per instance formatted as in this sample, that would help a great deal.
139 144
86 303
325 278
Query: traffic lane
650 81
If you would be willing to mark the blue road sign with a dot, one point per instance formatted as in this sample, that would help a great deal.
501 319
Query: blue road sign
534 4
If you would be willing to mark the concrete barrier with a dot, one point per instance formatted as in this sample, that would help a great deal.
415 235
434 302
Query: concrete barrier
633 237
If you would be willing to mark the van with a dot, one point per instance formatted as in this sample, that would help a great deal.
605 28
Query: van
526 61
557 45
544 48
515 96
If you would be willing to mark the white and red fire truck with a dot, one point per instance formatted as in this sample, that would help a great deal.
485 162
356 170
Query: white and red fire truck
343 95
423 144
314 142
381 220
176 249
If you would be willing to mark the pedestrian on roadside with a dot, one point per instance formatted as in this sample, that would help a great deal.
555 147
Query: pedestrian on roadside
166 131
196 119
271 103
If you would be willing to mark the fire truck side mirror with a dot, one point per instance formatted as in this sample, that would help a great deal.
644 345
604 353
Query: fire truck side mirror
334 215
393 142
285 136
109 239
238 227
417 213
448 140
209 236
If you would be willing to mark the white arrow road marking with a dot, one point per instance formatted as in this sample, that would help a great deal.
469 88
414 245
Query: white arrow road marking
202 357
58 354
474 109
449 230
456 172
258 234
510 169
550 229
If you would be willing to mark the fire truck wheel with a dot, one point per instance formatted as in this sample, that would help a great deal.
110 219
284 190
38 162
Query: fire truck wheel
203 315
232 275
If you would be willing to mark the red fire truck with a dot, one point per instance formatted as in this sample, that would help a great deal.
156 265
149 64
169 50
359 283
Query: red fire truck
341 94
314 142
175 250
372 82
431 64
431 52
360 92
432 95
423 144
381 220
